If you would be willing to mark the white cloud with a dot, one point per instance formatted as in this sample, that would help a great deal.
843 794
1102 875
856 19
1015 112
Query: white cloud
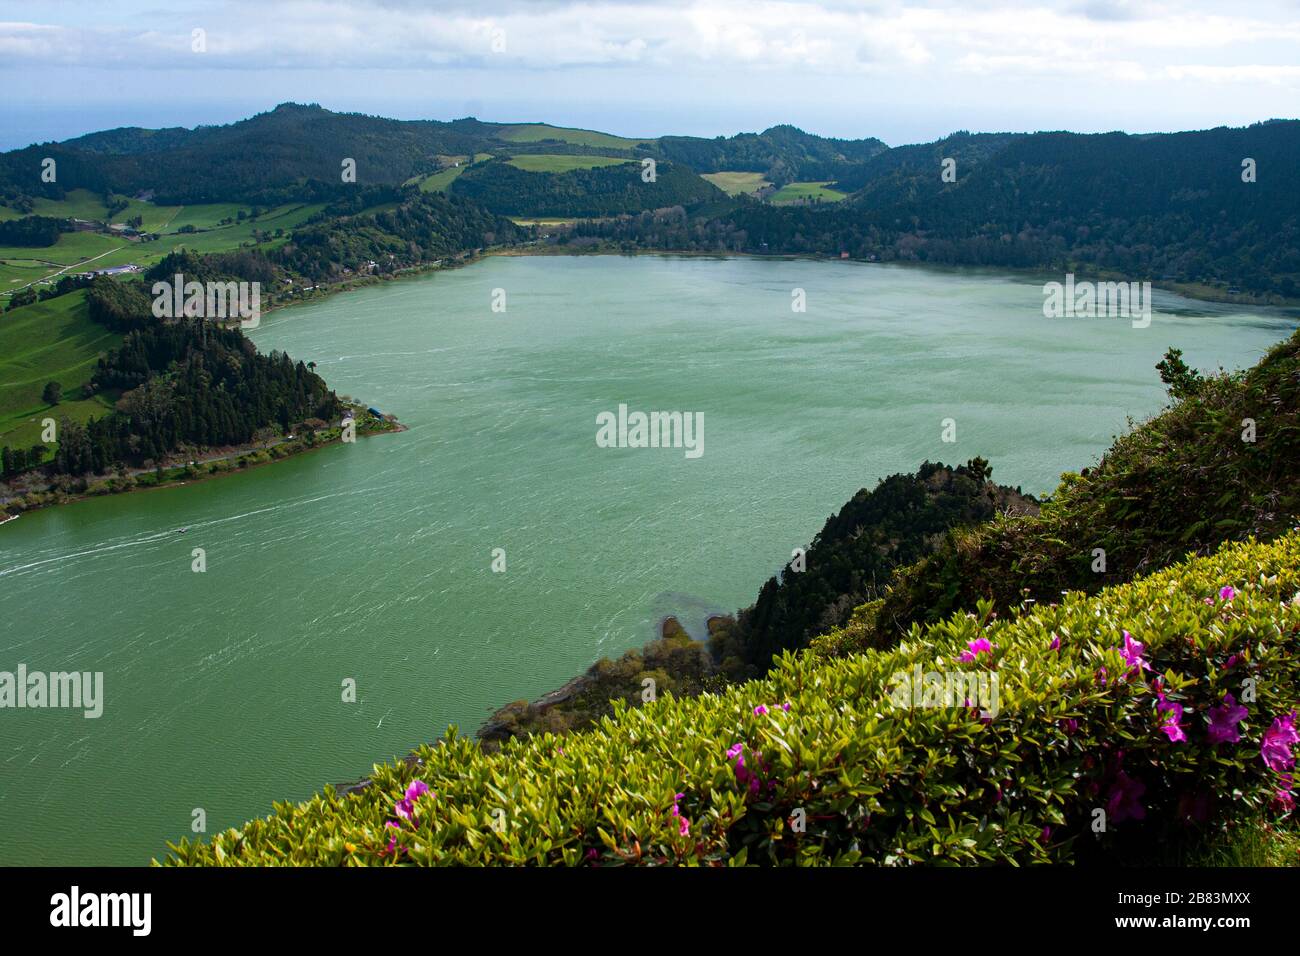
764 35
905 70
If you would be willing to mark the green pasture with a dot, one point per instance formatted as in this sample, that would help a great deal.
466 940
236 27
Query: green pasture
51 341
804 192
537 132
558 163
737 183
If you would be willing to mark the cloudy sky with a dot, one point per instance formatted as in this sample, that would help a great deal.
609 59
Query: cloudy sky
903 71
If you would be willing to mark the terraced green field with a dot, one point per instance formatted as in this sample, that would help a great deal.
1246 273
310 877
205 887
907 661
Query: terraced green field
53 341
439 181
538 132
559 163
805 192
737 183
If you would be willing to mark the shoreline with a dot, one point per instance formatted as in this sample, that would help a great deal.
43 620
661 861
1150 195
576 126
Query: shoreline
243 458
1196 292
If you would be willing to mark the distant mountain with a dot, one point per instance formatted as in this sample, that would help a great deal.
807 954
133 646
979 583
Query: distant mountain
1168 206
783 154
267 157
261 159
913 171
1172 207
602 191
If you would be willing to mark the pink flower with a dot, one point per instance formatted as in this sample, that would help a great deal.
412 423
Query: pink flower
1275 748
392 840
683 825
1227 593
760 710
1055 645
405 808
786 707
1171 726
1132 654
1224 720
980 645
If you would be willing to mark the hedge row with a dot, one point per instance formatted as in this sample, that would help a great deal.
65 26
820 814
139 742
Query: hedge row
1161 704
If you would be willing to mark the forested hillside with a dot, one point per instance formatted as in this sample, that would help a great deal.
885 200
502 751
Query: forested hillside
1212 209
174 385
602 191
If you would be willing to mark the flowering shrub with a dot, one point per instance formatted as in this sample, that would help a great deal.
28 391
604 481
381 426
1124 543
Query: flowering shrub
1195 725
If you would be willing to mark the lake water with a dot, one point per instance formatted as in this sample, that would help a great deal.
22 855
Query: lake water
373 561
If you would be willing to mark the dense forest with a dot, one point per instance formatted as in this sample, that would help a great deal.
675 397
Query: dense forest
1169 207
418 228
852 558
181 384
35 231
602 191
782 154
293 153
423 227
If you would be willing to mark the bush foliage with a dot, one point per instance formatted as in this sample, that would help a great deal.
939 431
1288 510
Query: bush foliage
846 776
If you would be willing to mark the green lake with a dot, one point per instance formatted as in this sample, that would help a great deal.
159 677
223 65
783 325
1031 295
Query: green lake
373 561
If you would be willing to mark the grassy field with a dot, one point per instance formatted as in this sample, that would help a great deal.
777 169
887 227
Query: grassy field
53 341
206 216
153 218
20 265
91 250
557 163
737 183
804 192
439 181
548 222
537 132
78 204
